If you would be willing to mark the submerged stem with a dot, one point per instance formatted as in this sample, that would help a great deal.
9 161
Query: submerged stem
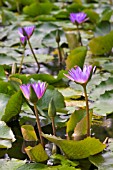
38 65
38 124
87 111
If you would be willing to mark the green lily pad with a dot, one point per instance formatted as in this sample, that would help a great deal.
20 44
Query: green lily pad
6 136
103 161
70 93
4 59
37 8
102 44
103 106
11 164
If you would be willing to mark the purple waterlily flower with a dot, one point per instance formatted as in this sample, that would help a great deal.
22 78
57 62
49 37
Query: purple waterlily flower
26 31
78 18
23 40
39 89
81 76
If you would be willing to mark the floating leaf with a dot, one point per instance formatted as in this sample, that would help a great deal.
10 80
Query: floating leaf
103 161
6 132
6 136
93 16
37 8
103 106
106 14
102 28
28 133
10 164
49 39
102 44
76 57
69 93
77 149
8 17
5 143
36 153
46 18
105 85
4 59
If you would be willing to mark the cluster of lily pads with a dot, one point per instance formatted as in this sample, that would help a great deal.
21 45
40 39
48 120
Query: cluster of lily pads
45 132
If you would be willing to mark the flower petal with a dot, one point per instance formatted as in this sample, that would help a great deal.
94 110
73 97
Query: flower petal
25 90
79 17
80 76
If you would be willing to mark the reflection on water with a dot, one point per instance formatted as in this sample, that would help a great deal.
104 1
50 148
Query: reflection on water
102 129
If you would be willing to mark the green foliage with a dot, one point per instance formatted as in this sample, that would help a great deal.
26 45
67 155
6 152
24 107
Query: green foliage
3 102
102 44
28 133
76 57
64 160
36 9
28 2
13 106
106 14
75 7
36 153
11 164
39 166
92 15
58 99
76 116
4 59
8 17
49 39
61 15
2 73
102 28
103 105
103 161
45 18
6 136
78 149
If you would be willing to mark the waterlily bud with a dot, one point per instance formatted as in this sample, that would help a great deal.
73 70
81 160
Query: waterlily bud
51 109
33 97
57 36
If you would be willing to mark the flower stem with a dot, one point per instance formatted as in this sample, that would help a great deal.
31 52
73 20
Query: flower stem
87 111
21 62
60 55
53 126
38 65
79 35
38 124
